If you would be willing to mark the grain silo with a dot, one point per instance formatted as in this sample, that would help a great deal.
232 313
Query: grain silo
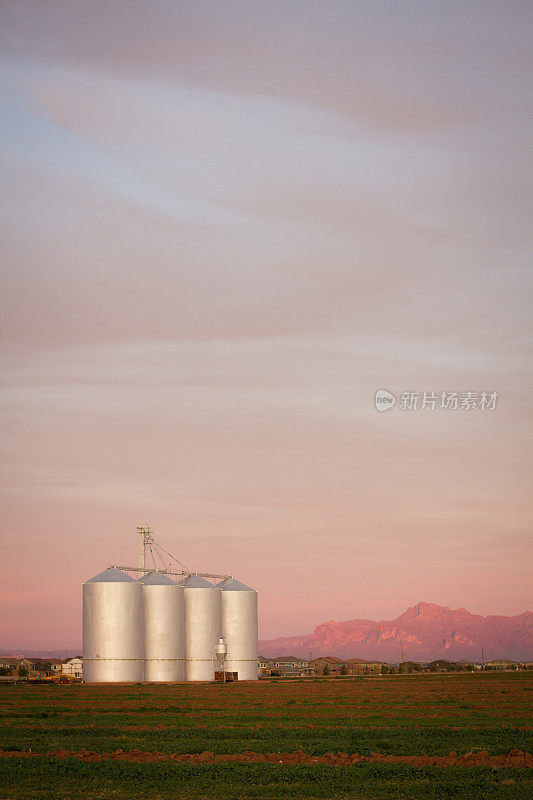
202 627
155 629
239 628
112 628
164 628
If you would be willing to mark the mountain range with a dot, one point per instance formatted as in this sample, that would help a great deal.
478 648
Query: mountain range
62 652
423 633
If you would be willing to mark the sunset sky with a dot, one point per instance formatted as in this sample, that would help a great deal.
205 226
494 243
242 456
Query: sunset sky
225 225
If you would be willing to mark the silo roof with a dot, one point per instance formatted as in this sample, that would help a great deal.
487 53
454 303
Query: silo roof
157 579
196 582
111 575
233 585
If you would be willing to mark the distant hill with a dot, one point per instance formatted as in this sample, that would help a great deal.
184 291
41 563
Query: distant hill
424 632
18 652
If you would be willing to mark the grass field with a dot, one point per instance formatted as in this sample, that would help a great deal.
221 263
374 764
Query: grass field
414 736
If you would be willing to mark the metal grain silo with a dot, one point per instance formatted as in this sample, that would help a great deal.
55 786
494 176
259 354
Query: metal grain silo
164 628
239 628
112 628
202 627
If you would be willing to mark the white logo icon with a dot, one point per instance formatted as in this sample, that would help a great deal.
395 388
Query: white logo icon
384 400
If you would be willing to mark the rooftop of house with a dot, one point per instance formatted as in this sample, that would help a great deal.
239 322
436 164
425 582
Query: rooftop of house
288 660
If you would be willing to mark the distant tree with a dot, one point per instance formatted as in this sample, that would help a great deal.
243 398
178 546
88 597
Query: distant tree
344 669
325 671
5 671
384 669
23 672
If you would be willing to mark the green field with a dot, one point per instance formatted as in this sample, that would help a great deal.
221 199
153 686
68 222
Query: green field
475 723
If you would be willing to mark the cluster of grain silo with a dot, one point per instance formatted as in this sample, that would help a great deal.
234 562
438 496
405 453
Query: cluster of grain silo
156 629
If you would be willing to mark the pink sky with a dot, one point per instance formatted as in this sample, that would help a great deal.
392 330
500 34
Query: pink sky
225 226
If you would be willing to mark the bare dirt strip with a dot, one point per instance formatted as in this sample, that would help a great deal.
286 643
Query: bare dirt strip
479 758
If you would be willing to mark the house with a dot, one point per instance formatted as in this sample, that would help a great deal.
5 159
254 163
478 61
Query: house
359 666
46 666
283 666
328 664
40 666
265 666
441 665
73 667
350 666
289 661
290 665
8 665
13 666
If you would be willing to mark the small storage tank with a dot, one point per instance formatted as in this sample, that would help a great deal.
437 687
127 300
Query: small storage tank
202 627
164 628
239 628
112 628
